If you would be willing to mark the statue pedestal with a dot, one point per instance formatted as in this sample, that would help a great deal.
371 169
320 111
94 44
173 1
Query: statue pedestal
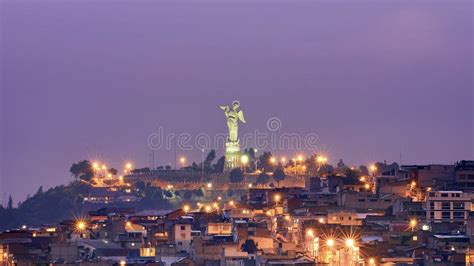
232 156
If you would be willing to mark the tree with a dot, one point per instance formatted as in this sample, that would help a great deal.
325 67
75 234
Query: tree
265 162
363 170
40 191
208 161
199 192
82 170
236 175
263 178
219 166
10 203
113 171
279 175
249 246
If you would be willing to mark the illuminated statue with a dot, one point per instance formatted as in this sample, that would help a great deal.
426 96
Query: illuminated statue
233 116
232 147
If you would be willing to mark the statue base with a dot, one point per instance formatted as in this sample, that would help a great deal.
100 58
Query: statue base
232 156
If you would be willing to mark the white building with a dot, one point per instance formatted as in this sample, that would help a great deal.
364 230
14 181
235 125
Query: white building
448 206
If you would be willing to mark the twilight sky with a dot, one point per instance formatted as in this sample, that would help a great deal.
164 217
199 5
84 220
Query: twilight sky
93 79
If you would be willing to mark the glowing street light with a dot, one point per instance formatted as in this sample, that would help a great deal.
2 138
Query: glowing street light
310 233
373 168
272 160
95 165
80 225
209 185
300 158
186 208
283 159
244 159
330 242
104 167
182 160
371 261
350 242
413 224
277 198
128 166
321 159
208 208
232 203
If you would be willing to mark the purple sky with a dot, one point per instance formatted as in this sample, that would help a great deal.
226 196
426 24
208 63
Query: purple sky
87 79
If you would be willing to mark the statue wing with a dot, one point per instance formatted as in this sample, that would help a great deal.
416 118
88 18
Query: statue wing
240 114
224 107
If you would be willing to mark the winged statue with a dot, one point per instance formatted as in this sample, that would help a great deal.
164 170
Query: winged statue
233 116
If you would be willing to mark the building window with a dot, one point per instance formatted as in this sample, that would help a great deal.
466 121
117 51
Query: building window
183 227
432 215
458 215
444 195
446 215
432 205
458 205
446 205
361 200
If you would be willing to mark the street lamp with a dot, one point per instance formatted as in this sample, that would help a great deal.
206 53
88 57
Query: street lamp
413 224
209 185
80 226
349 242
310 233
277 198
330 242
373 168
182 160
300 158
321 159
272 160
244 160
371 261
186 208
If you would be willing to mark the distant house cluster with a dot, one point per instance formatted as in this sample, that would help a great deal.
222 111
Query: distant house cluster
395 215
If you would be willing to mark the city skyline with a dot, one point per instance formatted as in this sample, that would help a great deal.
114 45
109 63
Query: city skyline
372 80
